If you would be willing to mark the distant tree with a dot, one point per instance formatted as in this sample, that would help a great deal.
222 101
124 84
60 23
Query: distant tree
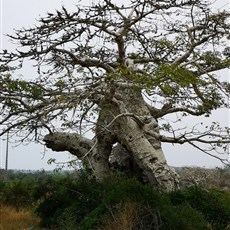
118 70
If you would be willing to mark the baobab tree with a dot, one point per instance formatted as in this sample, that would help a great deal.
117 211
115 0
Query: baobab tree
119 70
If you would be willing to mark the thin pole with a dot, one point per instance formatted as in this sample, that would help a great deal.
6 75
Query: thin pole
7 155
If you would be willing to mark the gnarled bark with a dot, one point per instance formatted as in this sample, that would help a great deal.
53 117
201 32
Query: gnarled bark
124 119
88 151
140 136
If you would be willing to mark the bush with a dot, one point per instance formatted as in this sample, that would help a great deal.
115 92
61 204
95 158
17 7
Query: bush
88 203
18 193
72 202
69 198
184 217
2 186
213 204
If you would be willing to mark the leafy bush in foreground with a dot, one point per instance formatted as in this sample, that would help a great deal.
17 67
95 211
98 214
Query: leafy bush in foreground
85 204
213 204
67 201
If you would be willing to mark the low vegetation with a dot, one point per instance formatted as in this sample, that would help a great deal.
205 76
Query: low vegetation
14 219
76 201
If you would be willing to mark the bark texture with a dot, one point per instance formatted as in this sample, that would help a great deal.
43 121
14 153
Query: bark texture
140 135
124 120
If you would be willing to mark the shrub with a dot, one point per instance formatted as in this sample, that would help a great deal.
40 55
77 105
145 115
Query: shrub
87 203
18 193
182 216
2 186
71 198
72 202
213 204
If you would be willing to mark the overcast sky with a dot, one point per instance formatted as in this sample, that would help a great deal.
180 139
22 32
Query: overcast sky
22 13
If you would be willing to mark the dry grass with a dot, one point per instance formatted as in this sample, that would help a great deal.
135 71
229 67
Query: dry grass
123 219
11 219
130 215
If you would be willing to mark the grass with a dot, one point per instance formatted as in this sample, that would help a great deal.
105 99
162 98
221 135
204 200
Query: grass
12 219
122 219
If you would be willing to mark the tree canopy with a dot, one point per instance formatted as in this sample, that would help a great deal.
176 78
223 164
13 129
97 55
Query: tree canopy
90 60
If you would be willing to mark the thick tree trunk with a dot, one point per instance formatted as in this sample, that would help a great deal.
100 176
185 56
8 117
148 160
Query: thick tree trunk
140 136
135 162
148 158
124 119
